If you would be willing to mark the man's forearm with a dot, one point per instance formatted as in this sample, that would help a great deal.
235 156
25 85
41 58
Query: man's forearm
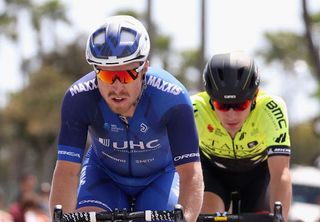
191 194
280 182
64 192
281 191
63 196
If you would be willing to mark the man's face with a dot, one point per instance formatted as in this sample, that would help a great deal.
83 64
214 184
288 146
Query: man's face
120 97
233 119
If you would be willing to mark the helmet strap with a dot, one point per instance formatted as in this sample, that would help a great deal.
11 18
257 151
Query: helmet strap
143 87
253 105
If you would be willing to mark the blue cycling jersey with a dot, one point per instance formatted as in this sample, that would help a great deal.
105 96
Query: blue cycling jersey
160 135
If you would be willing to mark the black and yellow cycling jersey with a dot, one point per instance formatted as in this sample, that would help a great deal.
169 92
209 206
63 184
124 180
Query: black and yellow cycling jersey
264 133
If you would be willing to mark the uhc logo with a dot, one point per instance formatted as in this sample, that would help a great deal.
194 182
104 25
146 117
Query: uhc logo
153 144
131 145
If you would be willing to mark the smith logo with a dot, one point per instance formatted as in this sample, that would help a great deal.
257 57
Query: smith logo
164 86
83 87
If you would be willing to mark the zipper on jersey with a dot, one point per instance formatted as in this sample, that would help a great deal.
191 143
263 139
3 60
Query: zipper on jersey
234 149
130 154
125 121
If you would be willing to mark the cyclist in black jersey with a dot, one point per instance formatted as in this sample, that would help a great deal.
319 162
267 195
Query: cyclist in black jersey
243 137
143 137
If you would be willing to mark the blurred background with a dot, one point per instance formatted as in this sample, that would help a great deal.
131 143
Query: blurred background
42 44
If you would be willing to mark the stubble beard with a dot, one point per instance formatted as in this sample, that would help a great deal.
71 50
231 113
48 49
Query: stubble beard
123 109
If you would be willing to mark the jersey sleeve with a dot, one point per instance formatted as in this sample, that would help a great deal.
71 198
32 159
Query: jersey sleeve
278 141
182 133
73 130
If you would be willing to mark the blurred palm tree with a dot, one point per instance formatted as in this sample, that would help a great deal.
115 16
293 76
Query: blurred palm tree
288 47
9 17
45 17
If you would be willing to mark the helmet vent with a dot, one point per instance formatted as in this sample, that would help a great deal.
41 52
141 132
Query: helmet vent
252 82
99 39
240 73
126 36
220 72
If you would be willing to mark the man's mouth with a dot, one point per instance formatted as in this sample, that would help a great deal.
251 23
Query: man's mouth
118 99
232 124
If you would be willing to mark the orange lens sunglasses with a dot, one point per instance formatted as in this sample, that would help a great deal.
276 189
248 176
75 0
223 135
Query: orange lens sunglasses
224 107
124 76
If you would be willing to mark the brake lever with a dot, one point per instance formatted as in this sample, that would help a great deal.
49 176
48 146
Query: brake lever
178 213
57 213
278 212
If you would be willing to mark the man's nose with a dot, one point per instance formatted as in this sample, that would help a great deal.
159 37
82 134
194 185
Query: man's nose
232 113
117 85
231 110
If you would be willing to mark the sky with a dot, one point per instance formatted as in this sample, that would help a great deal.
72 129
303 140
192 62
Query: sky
231 24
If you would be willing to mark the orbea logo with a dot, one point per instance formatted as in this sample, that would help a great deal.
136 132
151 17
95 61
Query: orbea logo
164 86
185 156
83 87
61 152
90 202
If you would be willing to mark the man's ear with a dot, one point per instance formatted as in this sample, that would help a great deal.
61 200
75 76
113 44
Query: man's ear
146 66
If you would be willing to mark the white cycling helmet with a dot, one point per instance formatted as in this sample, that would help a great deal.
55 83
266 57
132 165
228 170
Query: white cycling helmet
120 40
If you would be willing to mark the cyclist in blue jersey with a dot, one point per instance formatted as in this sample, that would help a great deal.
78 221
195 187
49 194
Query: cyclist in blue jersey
143 142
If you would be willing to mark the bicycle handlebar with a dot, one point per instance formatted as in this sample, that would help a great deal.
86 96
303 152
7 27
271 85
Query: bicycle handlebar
245 217
169 215
119 215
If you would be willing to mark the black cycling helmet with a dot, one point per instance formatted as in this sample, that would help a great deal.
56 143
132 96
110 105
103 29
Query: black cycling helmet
231 77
